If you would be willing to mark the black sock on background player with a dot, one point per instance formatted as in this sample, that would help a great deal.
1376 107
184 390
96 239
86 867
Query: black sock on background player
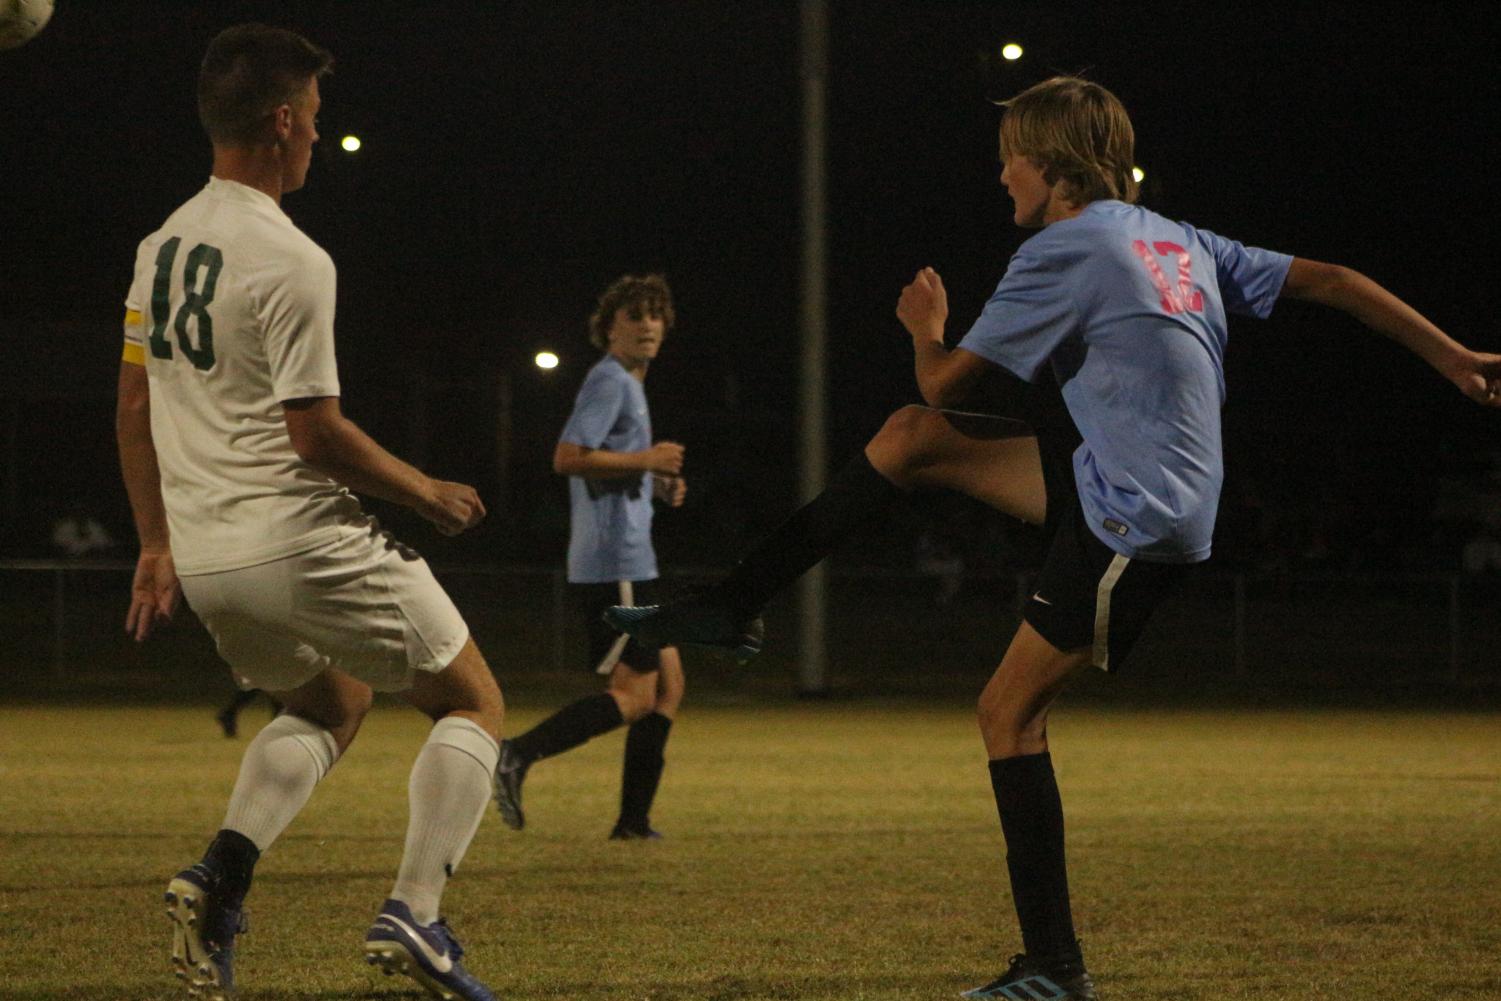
855 495
1031 811
642 771
574 724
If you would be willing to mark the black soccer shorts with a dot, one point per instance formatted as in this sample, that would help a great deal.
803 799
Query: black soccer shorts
1087 594
606 646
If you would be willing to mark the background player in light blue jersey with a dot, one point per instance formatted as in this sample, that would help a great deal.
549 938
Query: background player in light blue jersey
1125 312
614 473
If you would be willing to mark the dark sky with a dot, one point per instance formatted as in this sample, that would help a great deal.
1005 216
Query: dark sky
520 155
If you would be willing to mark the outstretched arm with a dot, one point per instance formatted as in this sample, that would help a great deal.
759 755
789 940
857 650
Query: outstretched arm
1477 374
154 591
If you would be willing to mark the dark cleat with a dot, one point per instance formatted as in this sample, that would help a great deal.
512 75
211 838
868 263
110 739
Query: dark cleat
629 832
510 772
429 954
204 927
229 721
697 620
1034 980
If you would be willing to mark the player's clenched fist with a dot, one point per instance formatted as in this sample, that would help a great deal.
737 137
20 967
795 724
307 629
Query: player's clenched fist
452 507
924 306
670 490
665 458
1479 378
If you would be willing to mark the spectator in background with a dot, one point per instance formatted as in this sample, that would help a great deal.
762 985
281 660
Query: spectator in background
78 534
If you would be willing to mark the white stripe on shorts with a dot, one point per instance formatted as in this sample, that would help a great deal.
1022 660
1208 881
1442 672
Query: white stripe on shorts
612 656
1102 610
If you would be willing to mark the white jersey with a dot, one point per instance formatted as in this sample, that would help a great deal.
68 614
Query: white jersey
232 312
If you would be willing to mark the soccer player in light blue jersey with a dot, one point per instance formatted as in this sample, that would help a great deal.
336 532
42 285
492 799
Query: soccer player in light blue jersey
1122 312
614 471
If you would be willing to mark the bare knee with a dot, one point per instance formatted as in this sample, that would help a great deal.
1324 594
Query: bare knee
633 704
902 448
635 692
466 688
1009 728
336 702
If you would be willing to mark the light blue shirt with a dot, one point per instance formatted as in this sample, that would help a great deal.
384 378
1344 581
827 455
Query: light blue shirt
1129 309
610 519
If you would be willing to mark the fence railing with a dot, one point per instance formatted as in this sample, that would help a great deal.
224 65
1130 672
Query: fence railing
1433 627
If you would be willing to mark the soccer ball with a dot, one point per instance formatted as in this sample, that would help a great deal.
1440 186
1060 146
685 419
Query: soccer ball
20 20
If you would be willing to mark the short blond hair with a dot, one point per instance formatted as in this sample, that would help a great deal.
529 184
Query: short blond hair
1077 132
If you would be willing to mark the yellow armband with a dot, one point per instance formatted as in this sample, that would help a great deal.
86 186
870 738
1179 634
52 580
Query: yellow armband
134 353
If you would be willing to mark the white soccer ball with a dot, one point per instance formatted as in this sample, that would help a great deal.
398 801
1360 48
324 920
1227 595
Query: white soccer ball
20 20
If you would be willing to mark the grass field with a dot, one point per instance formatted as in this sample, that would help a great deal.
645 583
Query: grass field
814 852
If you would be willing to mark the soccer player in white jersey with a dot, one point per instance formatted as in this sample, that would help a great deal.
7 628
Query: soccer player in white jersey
1127 310
239 467
615 470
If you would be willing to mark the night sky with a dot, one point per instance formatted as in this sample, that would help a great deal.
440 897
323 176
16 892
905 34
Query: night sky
518 156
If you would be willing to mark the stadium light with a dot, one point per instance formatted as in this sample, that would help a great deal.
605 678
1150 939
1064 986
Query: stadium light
546 360
1139 174
350 143
1011 52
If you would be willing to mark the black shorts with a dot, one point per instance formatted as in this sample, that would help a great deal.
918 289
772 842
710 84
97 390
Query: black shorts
1087 595
607 647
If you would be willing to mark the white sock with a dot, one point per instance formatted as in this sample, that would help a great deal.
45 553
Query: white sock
277 775
449 791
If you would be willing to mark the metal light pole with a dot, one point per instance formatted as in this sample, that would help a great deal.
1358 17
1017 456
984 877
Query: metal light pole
812 446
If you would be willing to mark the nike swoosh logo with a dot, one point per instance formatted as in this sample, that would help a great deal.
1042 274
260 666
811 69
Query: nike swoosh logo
439 961
1040 599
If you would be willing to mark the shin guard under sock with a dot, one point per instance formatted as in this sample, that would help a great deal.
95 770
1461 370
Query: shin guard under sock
1031 811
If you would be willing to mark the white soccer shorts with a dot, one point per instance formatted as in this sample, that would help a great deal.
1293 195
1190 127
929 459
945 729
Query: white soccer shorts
364 604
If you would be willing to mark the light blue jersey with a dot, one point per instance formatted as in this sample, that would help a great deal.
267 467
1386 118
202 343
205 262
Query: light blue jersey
1129 309
610 519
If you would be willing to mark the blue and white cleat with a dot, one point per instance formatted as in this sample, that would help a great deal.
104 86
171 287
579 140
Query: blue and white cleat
429 954
203 934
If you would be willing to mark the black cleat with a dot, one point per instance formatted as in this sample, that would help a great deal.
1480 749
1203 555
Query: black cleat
510 772
229 721
698 620
1034 980
631 832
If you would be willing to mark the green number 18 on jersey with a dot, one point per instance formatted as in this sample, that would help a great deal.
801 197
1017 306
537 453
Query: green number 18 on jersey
194 306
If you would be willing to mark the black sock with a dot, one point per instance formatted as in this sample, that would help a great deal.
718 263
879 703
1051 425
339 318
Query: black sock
855 495
1026 796
231 856
569 727
644 742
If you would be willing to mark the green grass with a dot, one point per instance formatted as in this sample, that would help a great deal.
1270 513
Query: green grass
814 851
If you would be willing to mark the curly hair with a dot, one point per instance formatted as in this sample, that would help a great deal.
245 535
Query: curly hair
637 294
1077 132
